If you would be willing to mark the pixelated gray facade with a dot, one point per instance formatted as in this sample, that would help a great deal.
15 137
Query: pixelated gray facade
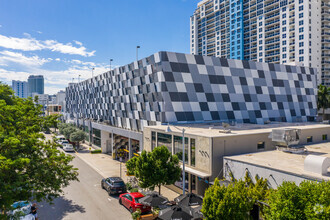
172 87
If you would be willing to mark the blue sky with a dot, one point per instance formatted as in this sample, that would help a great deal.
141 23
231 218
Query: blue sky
62 39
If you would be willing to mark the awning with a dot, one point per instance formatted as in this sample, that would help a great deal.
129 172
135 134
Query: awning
196 172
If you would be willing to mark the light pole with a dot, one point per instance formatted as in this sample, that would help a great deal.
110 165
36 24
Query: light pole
79 78
168 129
110 63
93 72
72 80
137 57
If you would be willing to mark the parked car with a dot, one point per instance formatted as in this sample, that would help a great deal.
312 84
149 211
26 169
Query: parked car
113 185
131 202
68 148
60 138
22 207
64 142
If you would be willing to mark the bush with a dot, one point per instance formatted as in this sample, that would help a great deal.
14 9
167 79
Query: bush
96 151
128 186
309 200
134 190
136 214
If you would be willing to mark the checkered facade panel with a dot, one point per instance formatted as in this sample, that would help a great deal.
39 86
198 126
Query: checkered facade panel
175 87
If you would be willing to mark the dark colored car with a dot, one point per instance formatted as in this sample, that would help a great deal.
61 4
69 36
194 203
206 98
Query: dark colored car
113 185
131 201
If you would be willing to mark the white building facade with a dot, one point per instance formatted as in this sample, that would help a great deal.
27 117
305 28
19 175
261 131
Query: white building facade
20 88
278 31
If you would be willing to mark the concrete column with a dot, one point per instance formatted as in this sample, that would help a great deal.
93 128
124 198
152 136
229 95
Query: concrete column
112 143
104 138
130 148
90 133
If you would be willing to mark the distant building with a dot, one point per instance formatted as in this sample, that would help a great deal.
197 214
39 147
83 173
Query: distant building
294 32
60 99
43 99
35 84
20 88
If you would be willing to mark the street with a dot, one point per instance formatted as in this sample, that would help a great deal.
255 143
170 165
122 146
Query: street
84 199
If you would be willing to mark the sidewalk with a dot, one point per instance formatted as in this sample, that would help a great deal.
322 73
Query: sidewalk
106 166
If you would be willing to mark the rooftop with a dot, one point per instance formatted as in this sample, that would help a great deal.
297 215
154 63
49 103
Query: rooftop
217 130
290 163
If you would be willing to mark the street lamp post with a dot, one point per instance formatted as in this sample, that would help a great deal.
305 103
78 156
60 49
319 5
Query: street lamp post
93 72
168 129
79 78
137 57
110 63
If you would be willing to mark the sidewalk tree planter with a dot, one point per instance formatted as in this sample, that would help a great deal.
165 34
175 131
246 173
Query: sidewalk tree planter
96 151
155 168
77 137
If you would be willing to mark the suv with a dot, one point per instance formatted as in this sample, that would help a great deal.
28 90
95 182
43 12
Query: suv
113 185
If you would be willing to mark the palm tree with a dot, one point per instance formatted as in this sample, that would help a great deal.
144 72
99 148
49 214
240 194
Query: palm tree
323 98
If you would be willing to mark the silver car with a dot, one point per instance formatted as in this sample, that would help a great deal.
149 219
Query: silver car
68 147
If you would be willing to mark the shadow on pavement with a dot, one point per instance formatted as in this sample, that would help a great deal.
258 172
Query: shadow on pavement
59 209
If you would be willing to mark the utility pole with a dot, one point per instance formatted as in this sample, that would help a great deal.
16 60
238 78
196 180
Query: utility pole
93 72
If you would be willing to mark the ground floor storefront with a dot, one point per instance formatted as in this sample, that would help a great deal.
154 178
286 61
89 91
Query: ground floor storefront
121 144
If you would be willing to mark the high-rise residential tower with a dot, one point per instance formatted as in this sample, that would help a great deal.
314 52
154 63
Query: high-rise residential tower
20 88
325 38
277 31
36 84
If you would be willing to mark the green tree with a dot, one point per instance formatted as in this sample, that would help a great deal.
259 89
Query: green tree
68 131
77 137
234 201
309 200
155 168
323 98
30 167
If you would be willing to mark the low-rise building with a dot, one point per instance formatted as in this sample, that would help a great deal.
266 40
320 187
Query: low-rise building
207 144
279 166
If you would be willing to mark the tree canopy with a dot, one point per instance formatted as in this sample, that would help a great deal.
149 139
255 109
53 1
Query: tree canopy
31 168
323 98
234 201
309 200
78 136
155 168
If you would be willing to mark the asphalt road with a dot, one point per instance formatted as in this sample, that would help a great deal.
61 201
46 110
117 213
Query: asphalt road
84 199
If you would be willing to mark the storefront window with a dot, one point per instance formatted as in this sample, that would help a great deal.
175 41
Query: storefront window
180 184
97 133
193 183
178 148
192 151
97 141
153 140
165 140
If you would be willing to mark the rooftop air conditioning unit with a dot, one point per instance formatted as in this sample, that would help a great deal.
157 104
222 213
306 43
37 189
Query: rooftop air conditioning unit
287 139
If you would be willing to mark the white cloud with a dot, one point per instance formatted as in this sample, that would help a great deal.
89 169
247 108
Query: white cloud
7 57
54 80
57 59
0 25
31 44
39 32
78 42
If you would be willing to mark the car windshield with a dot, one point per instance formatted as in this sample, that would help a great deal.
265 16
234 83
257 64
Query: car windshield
68 145
119 184
137 200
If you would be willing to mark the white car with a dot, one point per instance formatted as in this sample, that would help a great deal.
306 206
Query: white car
68 147
64 142
60 138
